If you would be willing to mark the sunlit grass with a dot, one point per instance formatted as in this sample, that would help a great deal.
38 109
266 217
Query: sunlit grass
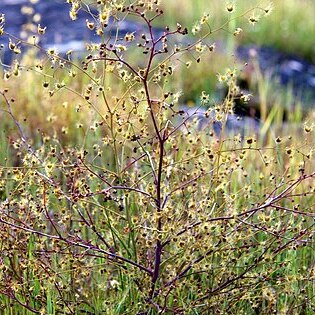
290 27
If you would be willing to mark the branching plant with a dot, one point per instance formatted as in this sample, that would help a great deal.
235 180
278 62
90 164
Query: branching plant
145 212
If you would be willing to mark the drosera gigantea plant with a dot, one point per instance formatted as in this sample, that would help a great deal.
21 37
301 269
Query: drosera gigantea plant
150 215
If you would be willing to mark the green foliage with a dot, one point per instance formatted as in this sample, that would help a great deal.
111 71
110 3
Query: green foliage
290 27
114 201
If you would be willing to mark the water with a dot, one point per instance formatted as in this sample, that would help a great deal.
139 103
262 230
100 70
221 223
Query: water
12 2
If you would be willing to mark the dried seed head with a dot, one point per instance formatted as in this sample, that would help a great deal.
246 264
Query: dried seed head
41 30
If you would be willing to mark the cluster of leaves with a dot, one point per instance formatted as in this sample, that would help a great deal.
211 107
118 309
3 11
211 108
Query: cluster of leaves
148 214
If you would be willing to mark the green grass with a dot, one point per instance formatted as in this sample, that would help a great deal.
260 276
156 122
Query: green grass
290 27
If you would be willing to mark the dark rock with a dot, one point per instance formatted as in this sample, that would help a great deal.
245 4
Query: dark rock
234 125
286 69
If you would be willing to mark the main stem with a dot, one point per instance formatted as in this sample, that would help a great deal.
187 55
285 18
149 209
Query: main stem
158 184
158 180
158 249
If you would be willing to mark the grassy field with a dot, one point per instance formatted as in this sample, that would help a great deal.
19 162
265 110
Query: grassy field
113 201
290 27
